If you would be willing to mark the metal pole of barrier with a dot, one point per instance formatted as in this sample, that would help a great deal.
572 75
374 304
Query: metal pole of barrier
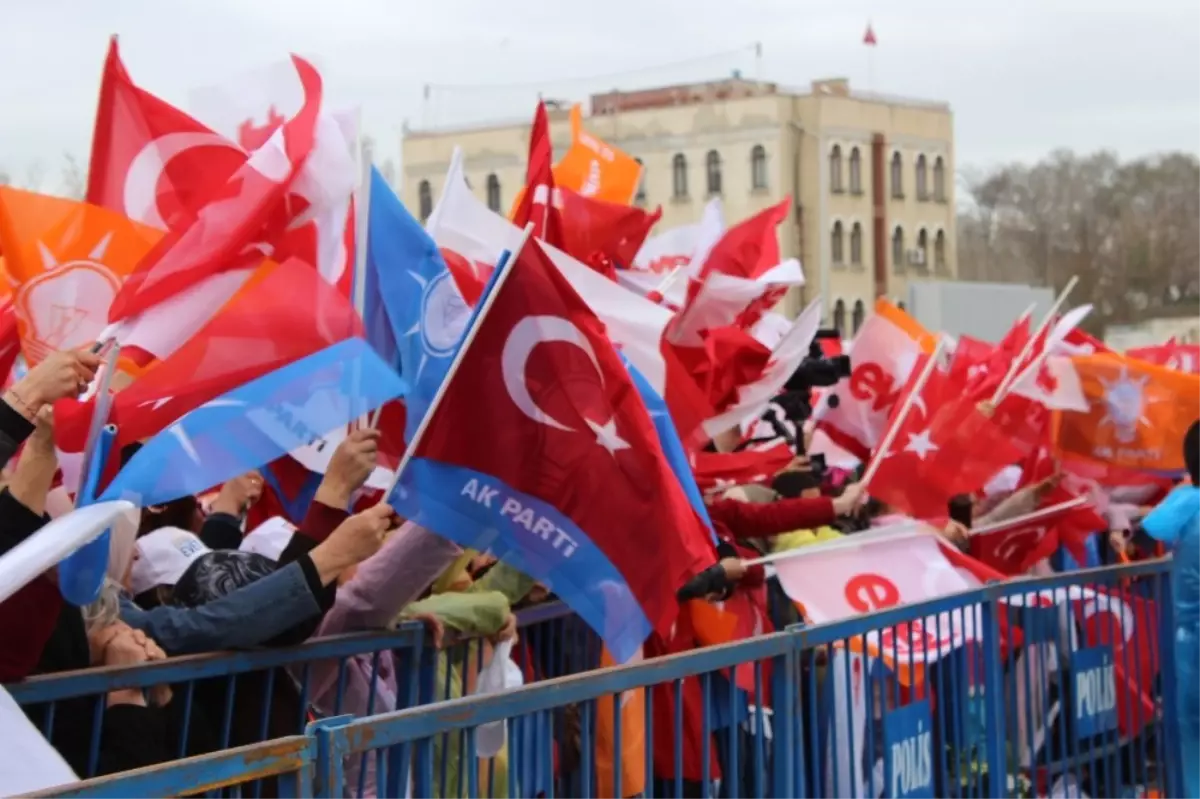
784 678
1170 752
993 695
329 769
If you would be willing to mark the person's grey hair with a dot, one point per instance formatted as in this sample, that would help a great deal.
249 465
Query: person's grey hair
106 609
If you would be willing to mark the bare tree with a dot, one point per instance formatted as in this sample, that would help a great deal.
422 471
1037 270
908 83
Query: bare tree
74 179
35 175
1129 231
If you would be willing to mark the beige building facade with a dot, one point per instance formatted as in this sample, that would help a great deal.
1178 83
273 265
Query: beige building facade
871 177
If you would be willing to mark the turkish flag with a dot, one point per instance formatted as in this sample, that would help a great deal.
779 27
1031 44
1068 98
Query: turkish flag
540 202
715 471
233 224
943 446
150 161
563 461
1014 546
286 313
601 234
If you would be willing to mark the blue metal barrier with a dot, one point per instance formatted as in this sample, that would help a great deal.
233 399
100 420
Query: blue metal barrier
240 699
1013 689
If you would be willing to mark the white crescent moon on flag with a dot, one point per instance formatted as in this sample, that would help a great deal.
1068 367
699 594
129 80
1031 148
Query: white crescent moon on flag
527 334
141 181
1009 548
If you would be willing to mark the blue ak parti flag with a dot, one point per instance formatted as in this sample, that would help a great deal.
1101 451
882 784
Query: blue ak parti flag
672 447
411 288
258 422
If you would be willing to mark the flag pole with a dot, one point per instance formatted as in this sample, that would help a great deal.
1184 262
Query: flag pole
468 337
890 436
1037 515
102 399
853 541
1011 375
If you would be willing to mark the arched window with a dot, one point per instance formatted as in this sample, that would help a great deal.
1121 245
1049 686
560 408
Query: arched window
922 191
897 177
835 168
856 244
860 312
835 242
939 179
898 249
939 250
758 167
641 187
923 246
493 192
425 200
712 171
855 171
679 176
839 316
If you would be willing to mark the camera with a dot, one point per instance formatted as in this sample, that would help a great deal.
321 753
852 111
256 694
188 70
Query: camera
815 371
795 402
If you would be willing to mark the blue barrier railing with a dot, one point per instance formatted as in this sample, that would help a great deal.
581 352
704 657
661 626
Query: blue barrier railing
1054 684
239 699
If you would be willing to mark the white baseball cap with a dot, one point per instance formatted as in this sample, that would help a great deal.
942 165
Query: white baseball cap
163 556
270 538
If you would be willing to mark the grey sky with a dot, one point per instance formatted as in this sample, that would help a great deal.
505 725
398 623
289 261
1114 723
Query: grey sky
1023 76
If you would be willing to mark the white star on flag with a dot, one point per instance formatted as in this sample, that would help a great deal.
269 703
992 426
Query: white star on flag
921 444
606 435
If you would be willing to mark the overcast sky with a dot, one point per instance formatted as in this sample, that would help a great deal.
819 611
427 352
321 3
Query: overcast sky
1023 76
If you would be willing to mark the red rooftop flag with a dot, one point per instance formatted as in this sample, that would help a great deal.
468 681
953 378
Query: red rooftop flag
869 36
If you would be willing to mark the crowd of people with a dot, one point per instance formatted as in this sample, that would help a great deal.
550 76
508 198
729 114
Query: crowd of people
187 577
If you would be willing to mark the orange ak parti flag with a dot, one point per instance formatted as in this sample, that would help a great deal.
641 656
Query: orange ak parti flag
595 168
1137 418
66 261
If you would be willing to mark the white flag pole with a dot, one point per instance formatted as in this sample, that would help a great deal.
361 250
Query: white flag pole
1037 515
468 338
1013 370
890 436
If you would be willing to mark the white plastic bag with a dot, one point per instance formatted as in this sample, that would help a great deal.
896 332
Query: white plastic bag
500 674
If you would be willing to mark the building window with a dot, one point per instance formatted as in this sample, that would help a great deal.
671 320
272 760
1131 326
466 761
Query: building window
897 177
493 192
923 247
898 249
839 317
860 312
835 168
758 167
939 251
855 171
922 192
679 176
835 242
641 187
712 171
939 179
856 244
425 200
